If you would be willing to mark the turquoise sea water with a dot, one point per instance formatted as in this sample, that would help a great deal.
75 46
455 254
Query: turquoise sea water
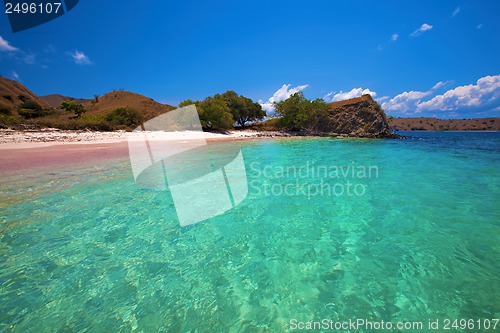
416 239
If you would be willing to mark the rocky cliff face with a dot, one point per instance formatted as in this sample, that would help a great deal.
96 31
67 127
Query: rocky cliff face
358 117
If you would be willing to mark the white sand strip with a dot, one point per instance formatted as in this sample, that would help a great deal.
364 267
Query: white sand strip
10 139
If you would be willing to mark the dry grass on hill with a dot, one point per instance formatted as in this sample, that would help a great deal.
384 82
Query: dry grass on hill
121 99
10 91
95 118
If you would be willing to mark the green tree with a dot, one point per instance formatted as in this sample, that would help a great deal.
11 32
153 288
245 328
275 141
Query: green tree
243 109
71 106
187 102
221 111
318 114
215 114
299 113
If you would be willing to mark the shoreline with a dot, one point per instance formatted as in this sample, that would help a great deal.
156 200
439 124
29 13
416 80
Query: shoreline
13 139
25 152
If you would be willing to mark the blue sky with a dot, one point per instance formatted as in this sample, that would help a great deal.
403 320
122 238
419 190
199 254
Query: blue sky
417 58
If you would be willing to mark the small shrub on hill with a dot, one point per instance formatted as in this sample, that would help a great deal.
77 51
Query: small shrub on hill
125 116
5 110
29 104
22 98
6 118
33 113
29 109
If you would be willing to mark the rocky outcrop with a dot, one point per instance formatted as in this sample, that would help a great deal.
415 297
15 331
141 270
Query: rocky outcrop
358 117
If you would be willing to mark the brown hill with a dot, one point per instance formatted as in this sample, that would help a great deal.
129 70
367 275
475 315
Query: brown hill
434 124
55 100
10 93
37 112
118 99
358 117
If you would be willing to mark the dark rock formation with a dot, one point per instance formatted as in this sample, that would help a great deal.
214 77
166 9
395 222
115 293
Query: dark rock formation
358 117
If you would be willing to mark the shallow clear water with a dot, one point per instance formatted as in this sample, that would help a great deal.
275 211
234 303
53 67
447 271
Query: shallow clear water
418 238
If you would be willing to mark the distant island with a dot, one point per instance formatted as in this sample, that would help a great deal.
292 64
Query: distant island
435 124
21 109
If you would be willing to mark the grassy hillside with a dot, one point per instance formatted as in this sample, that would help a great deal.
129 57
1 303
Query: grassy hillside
15 98
99 109
10 91
18 103
119 99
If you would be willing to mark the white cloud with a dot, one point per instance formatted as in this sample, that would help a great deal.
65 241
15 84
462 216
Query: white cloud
394 37
438 85
381 99
480 99
280 95
14 76
268 106
485 92
5 46
425 27
356 92
409 101
80 58
406 101
441 84
455 12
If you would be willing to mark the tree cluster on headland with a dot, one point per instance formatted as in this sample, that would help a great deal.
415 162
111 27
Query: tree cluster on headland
223 112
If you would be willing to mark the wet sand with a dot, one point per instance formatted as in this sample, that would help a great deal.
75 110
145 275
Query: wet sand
21 152
55 156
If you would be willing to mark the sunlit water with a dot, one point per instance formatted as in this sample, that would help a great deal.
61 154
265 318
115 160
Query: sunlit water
86 250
